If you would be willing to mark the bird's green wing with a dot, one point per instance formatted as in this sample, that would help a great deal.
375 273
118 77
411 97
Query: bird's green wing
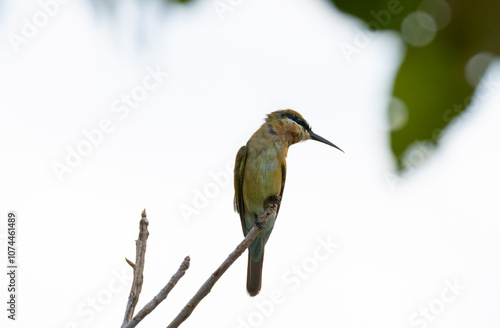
239 170
283 178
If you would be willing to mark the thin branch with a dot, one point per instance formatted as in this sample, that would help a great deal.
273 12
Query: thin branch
130 263
140 257
161 295
207 286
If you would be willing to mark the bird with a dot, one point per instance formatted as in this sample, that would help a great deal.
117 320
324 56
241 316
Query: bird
259 178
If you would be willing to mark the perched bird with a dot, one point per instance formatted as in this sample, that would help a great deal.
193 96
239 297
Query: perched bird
259 176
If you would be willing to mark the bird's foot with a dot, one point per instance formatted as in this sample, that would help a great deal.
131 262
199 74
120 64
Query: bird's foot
259 224
276 199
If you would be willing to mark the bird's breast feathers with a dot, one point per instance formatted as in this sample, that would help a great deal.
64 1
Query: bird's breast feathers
263 178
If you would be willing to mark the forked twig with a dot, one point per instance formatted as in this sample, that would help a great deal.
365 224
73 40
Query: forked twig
148 308
130 321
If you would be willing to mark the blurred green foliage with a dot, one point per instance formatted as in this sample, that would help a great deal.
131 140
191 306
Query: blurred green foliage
437 77
432 81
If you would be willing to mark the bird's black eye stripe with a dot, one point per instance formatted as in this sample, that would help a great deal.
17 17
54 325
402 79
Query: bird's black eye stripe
298 120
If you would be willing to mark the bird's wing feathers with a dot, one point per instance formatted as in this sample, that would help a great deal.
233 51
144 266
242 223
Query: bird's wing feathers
239 170
283 178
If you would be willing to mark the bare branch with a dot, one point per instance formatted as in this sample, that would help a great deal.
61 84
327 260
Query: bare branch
140 257
161 295
207 286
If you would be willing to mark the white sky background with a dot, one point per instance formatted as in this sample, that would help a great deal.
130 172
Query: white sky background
400 245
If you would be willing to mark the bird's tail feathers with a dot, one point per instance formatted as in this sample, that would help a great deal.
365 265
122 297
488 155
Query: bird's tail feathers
254 274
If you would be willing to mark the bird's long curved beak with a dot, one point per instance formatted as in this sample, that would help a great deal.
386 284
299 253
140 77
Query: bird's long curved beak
314 136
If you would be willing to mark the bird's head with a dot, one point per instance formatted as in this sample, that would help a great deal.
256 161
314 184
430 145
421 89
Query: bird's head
293 127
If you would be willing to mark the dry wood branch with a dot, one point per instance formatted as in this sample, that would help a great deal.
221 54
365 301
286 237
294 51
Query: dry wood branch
140 257
161 295
130 263
207 286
